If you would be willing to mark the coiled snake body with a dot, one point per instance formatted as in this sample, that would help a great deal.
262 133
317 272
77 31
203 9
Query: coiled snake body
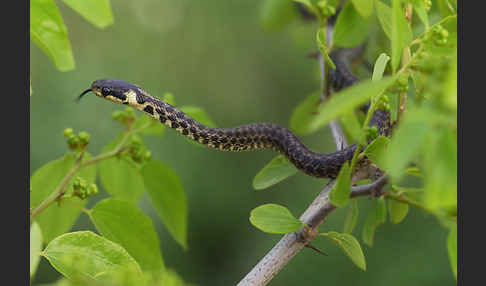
247 137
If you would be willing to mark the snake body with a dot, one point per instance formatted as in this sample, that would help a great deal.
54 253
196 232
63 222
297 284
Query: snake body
246 137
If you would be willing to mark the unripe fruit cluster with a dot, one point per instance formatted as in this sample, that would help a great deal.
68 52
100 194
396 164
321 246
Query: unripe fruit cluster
326 9
138 151
76 142
82 189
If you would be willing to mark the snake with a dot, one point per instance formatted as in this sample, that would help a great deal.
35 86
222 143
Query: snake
249 137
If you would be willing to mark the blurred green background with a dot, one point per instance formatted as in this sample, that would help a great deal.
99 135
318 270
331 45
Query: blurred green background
216 55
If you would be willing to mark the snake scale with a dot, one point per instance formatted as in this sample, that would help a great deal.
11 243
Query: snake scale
246 137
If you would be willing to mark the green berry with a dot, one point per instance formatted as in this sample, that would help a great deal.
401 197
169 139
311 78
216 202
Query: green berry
92 189
68 132
147 155
73 142
84 137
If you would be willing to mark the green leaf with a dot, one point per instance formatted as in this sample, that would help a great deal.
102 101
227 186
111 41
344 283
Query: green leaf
346 100
35 247
165 190
401 34
339 194
304 113
119 176
85 256
276 14
350 246
352 127
47 30
58 218
452 249
440 170
398 211
351 217
450 85
273 218
274 172
322 45
380 66
407 140
384 14
364 7
351 28
376 149
376 217
198 114
419 7
122 222
97 12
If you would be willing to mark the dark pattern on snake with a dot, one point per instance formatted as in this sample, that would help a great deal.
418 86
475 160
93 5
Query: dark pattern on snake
247 137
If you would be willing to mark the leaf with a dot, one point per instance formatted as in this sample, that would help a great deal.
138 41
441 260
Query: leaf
322 45
47 30
119 177
274 172
122 222
450 85
384 14
273 218
351 28
57 218
376 217
276 14
380 66
419 7
364 7
167 195
304 113
408 138
401 34
398 211
346 100
452 249
35 247
351 217
376 149
97 12
350 246
440 170
339 194
85 256
352 126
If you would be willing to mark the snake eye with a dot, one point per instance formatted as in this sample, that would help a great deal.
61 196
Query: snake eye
105 91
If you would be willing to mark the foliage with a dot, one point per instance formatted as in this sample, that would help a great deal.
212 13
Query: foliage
407 79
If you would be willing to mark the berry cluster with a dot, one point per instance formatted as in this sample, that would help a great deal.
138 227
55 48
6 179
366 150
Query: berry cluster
76 142
82 189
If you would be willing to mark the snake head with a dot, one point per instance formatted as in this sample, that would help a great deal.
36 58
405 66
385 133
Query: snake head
111 89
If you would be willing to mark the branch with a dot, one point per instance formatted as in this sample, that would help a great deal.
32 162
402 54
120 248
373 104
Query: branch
59 191
317 212
292 243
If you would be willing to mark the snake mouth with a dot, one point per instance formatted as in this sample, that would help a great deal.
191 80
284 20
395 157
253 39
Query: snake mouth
82 94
